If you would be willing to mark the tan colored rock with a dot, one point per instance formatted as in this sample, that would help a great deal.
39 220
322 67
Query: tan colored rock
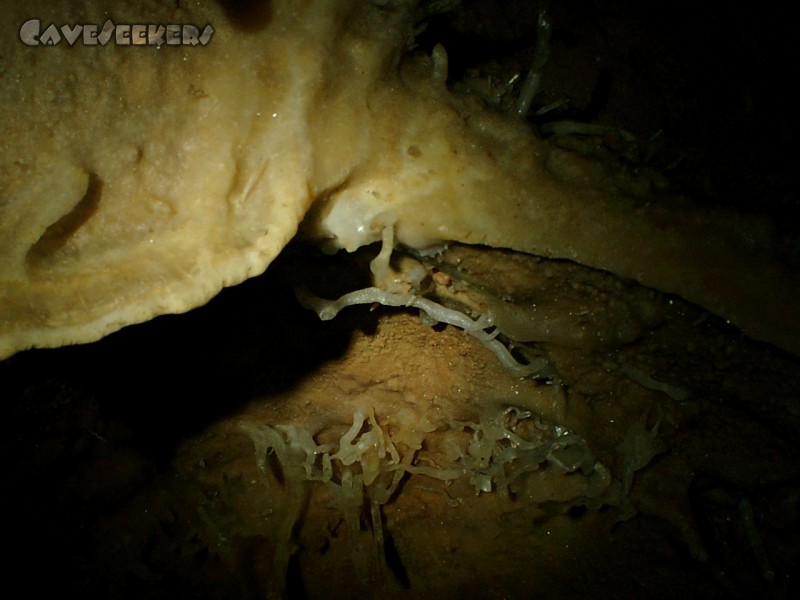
138 181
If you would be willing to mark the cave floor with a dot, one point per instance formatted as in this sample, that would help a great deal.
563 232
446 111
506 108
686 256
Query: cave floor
133 475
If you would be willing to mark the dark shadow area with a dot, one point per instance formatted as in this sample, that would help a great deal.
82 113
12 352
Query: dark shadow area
171 376
703 87
90 427
59 233
395 562
248 15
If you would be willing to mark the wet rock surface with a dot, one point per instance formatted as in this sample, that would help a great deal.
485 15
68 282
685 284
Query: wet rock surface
134 475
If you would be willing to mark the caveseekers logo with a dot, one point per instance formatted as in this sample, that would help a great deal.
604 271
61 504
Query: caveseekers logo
31 34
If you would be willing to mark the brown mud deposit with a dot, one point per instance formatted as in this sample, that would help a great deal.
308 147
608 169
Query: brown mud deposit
136 474
140 466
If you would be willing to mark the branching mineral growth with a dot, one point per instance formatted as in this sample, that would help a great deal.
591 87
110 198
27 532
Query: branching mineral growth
140 180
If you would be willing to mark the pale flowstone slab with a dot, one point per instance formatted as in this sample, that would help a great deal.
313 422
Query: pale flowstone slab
138 180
